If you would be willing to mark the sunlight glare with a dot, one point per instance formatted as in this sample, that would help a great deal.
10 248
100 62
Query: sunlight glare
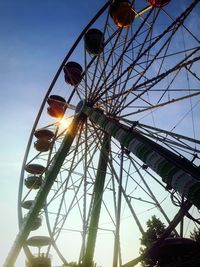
65 122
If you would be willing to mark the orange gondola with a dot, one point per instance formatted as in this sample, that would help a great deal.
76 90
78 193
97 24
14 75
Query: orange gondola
56 107
122 13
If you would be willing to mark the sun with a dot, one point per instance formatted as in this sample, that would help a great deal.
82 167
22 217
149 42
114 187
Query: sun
65 122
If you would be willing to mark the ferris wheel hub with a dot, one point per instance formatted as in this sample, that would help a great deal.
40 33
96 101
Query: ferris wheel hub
80 107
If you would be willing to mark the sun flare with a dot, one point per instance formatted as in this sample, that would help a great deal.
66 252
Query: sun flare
65 122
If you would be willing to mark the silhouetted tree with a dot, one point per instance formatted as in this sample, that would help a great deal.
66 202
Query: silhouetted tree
155 229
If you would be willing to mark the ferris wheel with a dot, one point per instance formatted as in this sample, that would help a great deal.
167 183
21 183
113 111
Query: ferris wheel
116 140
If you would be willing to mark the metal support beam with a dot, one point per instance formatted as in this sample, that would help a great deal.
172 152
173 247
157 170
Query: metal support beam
96 206
118 215
50 177
177 172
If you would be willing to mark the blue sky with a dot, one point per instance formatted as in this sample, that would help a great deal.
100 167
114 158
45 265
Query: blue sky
34 37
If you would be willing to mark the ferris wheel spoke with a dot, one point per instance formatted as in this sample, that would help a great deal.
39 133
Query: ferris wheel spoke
126 198
129 176
152 194
106 63
120 65
127 92
130 195
193 73
176 135
153 81
59 190
162 104
178 141
98 94
98 57
128 76
157 79
63 191
73 165
60 226
174 26
74 201
147 39
94 64
132 179
186 28
176 144
169 137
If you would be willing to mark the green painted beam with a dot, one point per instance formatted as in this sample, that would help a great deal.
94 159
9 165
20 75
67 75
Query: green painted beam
178 173
50 177
96 206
